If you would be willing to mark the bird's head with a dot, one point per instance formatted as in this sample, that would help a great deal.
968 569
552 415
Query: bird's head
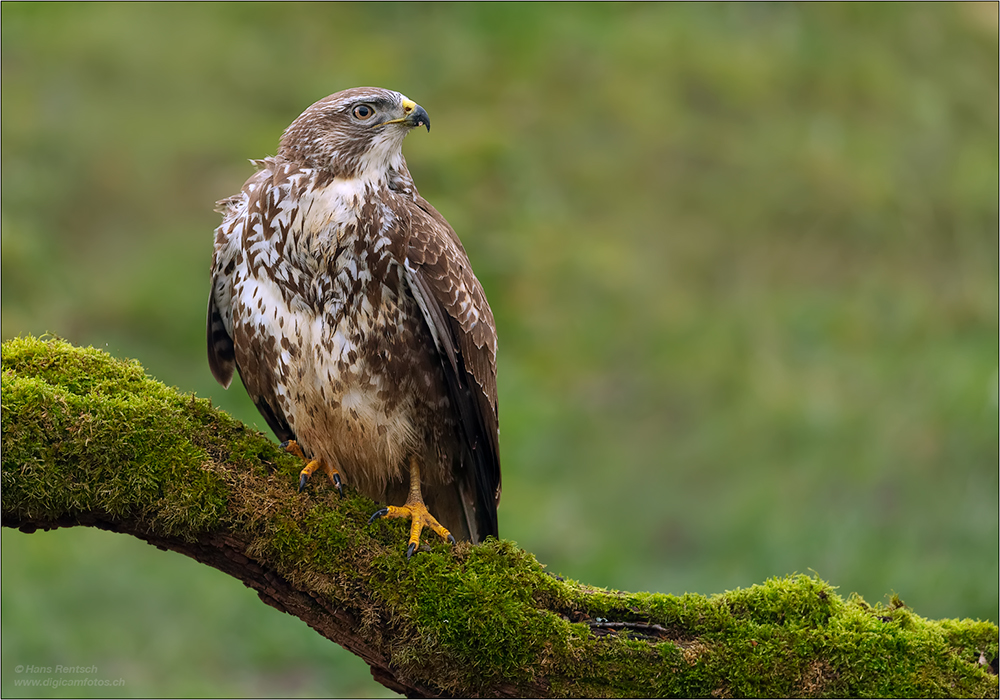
354 133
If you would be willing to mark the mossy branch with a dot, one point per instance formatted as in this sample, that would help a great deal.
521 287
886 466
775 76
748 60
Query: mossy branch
90 440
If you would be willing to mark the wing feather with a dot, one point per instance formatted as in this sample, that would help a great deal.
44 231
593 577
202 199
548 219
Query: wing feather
455 308
222 351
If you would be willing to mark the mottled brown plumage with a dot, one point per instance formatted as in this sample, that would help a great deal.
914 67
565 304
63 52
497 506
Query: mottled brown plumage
350 309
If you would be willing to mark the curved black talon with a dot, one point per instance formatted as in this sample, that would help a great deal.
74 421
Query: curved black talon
410 550
377 514
285 444
302 482
336 482
451 539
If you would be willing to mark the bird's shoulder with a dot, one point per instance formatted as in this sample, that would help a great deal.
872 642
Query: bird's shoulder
434 249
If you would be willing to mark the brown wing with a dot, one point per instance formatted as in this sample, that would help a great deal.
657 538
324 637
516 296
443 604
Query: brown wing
461 322
221 353
258 380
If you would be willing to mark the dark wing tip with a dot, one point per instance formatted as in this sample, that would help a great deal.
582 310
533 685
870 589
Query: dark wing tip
221 351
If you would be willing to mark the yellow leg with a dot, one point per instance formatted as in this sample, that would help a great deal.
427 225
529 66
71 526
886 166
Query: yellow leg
312 465
414 509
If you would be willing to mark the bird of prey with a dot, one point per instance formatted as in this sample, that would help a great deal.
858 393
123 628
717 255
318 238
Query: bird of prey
349 307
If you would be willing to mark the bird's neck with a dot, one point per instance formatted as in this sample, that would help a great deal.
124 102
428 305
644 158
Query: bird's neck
377 167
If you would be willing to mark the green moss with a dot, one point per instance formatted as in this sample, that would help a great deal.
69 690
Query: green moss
72 418
87 437
480 609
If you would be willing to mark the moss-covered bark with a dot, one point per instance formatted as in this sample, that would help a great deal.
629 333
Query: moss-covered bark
90 440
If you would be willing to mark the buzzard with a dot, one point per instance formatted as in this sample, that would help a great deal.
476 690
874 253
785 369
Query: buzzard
350 309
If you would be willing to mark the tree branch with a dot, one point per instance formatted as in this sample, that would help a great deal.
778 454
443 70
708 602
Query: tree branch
90 440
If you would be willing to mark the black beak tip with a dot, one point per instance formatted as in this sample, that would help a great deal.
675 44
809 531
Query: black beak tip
419 118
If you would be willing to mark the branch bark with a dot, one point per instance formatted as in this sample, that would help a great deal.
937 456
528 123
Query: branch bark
92 441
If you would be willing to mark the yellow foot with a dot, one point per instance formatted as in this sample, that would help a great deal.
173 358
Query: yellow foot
311 466
419 519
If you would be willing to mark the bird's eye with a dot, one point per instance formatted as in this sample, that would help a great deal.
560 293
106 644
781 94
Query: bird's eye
363 111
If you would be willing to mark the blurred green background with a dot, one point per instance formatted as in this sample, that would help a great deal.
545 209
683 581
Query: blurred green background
743 261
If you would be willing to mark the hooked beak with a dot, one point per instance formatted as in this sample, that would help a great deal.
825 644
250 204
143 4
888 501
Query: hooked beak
414 115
